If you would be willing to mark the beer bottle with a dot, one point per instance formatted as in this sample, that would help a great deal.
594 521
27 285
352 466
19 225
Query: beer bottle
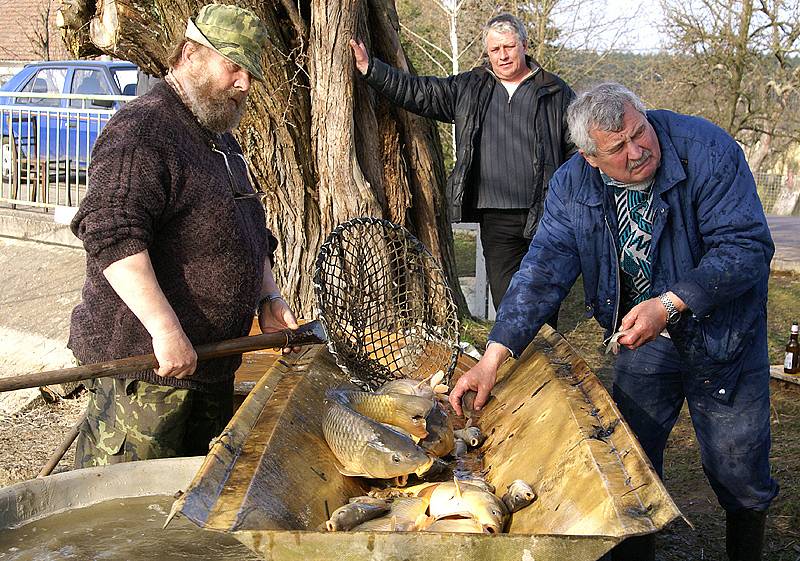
791 364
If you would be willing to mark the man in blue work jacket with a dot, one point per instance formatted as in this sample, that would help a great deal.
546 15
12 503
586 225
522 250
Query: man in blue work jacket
659 213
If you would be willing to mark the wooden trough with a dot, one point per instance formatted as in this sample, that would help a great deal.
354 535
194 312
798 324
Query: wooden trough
270 479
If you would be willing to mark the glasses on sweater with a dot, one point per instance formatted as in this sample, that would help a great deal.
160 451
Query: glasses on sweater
236 188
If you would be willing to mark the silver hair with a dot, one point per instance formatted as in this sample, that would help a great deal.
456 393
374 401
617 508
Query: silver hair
505 23
601 107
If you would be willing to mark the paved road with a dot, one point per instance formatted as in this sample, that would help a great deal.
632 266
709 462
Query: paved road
786 235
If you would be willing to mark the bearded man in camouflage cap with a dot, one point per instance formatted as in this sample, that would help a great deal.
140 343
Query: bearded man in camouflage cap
178 253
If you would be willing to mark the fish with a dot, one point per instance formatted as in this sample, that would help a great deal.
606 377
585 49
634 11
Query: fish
366 448
407 386
456 525
463 499
368 499
459 447
473 436
518 496
385 524
407 412
406 514
440 440
352 514
477 482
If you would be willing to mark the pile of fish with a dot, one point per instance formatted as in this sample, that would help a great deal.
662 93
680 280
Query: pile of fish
388 434
404 428
449 506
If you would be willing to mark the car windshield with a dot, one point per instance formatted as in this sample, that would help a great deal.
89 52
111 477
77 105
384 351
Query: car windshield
126 79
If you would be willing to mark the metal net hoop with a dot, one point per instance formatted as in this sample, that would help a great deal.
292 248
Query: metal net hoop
385 303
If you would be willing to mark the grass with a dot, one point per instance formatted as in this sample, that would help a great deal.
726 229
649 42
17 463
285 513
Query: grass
684 477
464 243
783 308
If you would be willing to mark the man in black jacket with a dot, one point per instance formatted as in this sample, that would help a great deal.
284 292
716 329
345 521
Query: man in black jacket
509 139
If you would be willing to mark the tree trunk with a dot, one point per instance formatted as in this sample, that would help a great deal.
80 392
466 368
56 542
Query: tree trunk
319 140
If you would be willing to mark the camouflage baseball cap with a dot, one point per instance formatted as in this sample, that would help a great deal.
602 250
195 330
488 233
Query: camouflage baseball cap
235 33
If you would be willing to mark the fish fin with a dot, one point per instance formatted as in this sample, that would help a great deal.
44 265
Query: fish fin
393 525
458 486
436 378
173 513
349 473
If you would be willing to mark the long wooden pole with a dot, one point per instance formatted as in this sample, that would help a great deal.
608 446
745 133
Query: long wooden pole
70 437
311 333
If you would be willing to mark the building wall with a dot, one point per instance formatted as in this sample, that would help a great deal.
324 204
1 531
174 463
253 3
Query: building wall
22 29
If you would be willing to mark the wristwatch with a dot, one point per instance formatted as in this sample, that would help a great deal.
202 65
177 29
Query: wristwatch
673 315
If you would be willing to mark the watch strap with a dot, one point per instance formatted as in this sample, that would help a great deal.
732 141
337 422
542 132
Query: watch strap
673 315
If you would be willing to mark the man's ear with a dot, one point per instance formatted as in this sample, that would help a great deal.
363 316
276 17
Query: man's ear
589 159
190 49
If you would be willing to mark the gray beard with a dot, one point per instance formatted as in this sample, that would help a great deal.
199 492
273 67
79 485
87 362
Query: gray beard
213 108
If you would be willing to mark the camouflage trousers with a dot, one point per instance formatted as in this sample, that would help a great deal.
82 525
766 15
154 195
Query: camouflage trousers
130 420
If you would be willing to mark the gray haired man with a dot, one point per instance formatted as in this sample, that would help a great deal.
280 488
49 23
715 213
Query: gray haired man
660 216
511 136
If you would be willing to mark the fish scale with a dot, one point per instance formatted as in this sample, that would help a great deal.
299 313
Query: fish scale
405 411
369 449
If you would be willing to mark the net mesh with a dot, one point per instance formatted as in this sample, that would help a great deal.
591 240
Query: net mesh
385 304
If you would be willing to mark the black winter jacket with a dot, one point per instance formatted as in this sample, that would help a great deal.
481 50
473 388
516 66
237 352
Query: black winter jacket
463 99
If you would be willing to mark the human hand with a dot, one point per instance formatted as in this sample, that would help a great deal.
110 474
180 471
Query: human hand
361 56
275 315
643 323
175 355
480 378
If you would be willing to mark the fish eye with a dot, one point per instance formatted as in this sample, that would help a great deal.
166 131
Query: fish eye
396 458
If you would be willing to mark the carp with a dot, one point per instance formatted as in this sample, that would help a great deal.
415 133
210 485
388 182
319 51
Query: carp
463 499
456 525
407 412
407 386
352 514
440 440
519 495
473 436
406 514
367 448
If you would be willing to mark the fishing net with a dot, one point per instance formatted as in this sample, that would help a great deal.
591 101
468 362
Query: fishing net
385 304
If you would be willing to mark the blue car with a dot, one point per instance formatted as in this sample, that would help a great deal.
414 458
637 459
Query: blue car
50 133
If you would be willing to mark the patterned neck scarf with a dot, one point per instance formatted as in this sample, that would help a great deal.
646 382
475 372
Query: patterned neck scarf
634 204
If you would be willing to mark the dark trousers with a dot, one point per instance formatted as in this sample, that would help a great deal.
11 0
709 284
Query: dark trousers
650 386
504 246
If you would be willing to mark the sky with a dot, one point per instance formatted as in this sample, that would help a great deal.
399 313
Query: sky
641 36
644 35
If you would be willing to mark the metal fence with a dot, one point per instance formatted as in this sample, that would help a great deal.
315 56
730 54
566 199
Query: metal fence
46 151
779 194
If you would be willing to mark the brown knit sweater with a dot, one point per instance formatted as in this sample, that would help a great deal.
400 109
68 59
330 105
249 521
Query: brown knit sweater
155 184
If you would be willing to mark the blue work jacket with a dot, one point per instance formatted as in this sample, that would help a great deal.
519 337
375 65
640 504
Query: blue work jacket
711 246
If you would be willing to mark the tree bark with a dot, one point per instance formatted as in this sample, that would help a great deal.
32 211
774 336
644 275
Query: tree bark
324 145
